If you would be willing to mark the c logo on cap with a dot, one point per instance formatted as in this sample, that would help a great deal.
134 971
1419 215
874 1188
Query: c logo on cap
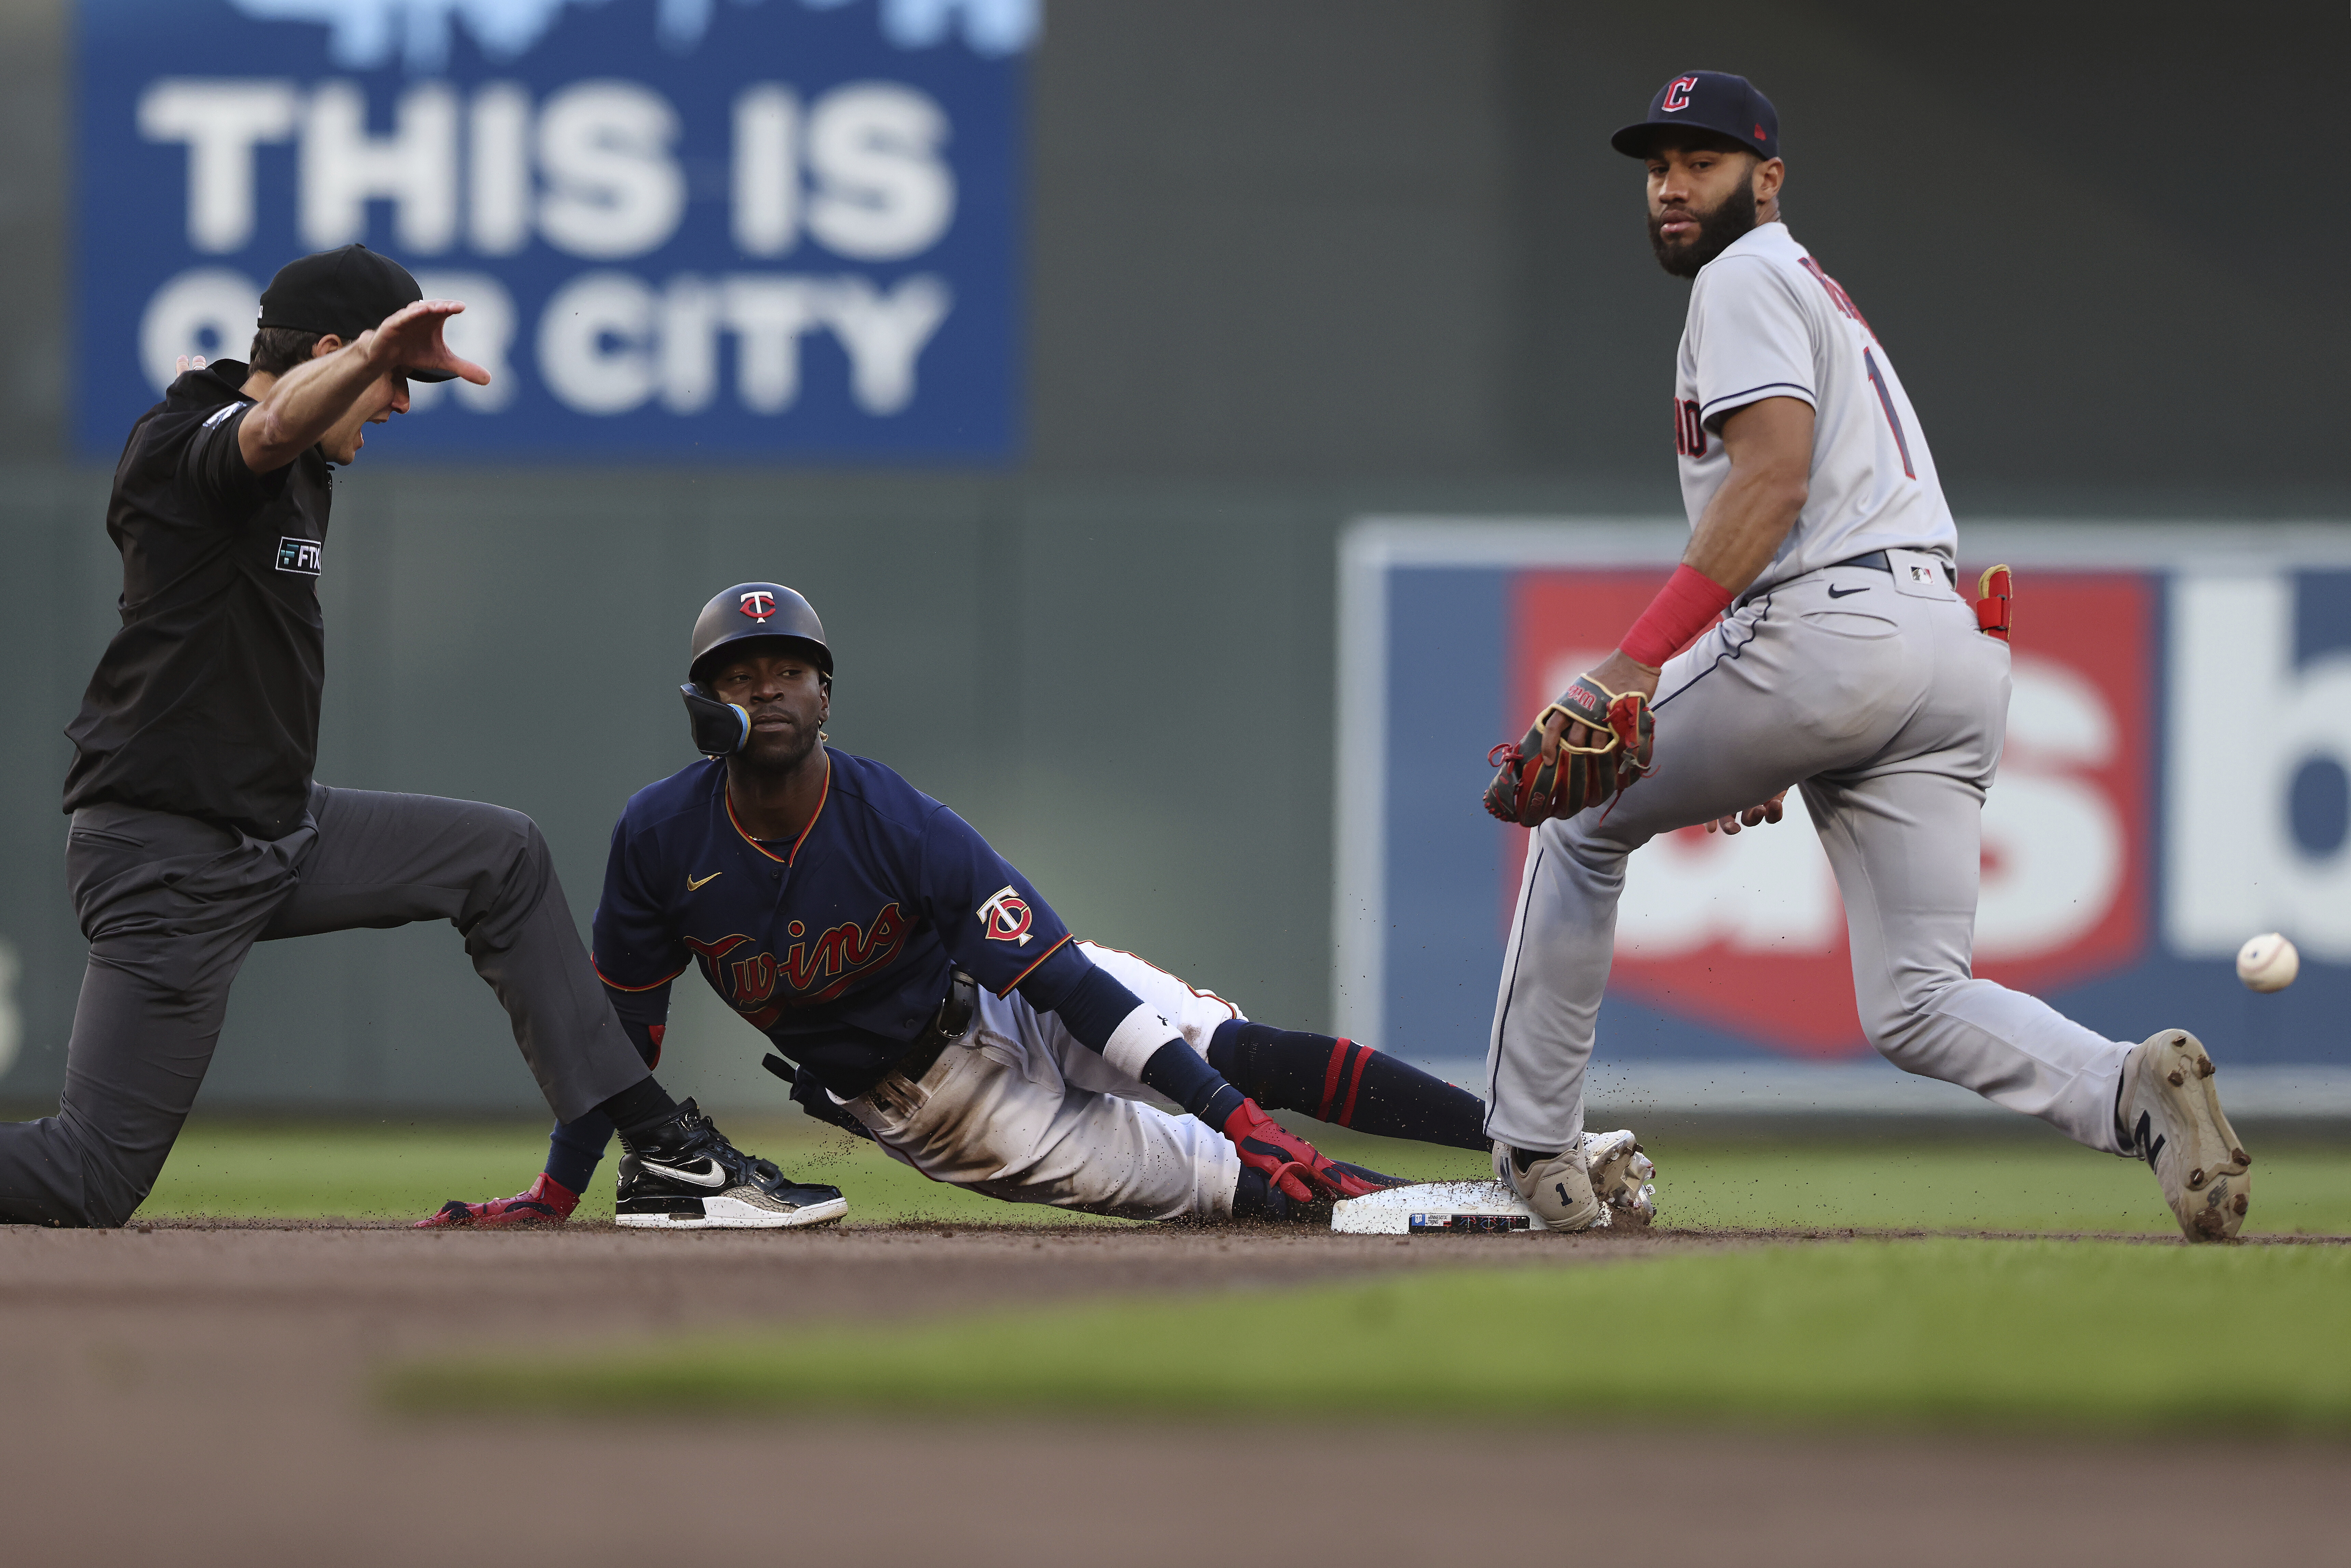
1677 95
759 605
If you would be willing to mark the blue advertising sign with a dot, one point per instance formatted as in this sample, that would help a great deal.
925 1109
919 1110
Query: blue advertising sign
681 228
2122 871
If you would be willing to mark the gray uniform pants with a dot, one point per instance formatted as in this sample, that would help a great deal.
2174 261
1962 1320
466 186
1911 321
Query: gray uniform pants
1889 711
171 905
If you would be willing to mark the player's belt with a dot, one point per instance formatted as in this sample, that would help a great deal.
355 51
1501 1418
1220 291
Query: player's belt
1877 560
947 1026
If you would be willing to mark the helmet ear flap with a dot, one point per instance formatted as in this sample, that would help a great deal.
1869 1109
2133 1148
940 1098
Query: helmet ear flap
719 728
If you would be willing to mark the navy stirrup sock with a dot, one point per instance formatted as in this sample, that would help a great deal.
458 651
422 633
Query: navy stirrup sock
639 1111
574 1147
1346 1084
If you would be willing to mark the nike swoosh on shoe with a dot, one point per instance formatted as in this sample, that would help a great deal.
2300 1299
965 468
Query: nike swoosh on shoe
711 1174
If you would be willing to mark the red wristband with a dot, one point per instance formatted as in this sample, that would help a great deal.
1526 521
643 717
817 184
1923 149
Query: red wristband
1685 607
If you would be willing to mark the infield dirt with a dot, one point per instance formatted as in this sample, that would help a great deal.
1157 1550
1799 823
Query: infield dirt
191 1394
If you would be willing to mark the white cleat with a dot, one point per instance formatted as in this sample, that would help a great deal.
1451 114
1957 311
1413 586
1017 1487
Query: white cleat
1558 1188
1621 1176
2170 1116
751 1207
691 1178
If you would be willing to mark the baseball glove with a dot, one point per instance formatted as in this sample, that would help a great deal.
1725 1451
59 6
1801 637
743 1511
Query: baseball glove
1531 786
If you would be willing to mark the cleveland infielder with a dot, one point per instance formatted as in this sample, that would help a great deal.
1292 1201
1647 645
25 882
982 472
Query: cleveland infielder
1845 663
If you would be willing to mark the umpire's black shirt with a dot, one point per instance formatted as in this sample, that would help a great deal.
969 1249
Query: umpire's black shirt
206 703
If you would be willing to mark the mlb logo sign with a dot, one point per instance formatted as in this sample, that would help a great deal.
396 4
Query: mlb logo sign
2176 778
301 555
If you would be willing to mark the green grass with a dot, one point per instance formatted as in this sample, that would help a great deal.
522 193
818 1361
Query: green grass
389 1170
2041 1185
2037 1336
405 1171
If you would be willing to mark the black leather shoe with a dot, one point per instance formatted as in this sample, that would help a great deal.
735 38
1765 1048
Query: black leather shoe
689 1178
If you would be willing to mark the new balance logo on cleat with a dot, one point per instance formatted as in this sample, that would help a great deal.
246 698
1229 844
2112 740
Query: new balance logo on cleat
2170 1116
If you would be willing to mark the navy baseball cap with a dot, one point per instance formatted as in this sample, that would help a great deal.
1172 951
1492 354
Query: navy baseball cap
1711 101
343 292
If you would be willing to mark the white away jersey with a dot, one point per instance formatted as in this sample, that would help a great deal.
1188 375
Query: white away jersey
1766 321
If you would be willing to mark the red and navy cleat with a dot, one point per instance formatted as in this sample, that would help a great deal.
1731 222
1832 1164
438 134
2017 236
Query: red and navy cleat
548 1202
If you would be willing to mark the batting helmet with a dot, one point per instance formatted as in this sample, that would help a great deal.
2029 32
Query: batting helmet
743 612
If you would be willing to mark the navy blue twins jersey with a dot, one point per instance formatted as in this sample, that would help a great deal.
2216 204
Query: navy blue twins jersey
839 947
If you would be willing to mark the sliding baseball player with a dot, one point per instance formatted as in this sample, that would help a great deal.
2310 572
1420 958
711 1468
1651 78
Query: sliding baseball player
919 990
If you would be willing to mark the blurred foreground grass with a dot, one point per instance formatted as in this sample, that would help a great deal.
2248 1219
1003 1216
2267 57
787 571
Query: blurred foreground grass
2035 1335
408 1169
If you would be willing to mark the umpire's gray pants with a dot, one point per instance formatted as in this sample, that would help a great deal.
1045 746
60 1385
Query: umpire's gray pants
171 905
1889 711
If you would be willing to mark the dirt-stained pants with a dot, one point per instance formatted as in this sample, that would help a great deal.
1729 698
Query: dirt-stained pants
1020 1110
171 905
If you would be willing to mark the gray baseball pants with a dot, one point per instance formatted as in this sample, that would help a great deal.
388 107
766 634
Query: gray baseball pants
1888 708
171 905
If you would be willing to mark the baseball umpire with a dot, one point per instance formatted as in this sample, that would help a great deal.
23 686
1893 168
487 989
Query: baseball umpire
1812 637
197 829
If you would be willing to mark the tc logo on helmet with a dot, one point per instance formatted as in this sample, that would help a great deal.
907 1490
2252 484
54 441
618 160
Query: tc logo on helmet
1677 95
1006 915
758 604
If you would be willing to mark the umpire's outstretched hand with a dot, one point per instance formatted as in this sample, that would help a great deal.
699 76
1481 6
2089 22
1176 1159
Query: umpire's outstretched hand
410 339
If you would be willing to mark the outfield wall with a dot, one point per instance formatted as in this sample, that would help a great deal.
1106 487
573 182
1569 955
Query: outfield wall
2174 782
1280 263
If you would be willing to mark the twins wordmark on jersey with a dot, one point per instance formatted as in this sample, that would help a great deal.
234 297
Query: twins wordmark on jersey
839 947
809 972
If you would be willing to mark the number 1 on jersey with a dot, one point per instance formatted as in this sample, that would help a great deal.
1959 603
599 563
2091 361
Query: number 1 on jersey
1886 401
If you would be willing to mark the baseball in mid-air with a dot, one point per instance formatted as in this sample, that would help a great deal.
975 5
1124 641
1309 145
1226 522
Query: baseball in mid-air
2268 963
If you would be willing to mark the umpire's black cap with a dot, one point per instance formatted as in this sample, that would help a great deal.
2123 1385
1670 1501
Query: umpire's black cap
343 292
1711 101
756 610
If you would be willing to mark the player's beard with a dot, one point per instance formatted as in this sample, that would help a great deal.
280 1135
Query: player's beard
1717 228
775 762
